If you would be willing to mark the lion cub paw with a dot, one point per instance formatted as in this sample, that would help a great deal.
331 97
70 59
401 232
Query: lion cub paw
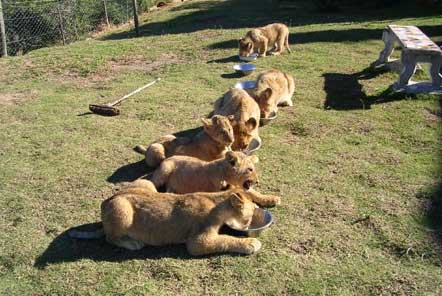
252 245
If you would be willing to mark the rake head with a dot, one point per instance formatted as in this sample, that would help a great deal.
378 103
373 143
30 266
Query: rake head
104 110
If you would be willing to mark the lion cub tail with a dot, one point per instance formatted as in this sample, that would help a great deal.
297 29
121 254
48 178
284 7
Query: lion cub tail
286 43
87 234
140 149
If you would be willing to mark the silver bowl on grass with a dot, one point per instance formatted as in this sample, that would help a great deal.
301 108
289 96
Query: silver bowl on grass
248 84
254 145
263 121
250 58
244 69
262 219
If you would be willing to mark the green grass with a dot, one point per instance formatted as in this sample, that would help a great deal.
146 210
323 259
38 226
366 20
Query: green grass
370 154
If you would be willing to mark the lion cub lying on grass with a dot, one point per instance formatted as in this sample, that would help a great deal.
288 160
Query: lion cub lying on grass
261 39
210 144
246 112
138 216
273 88
183 174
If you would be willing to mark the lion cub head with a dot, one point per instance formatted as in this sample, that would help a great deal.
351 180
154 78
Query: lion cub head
242 214
266 104
240 169
220 129
243 132
245 47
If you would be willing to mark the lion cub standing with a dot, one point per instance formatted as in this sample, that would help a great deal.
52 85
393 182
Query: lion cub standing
261 39
246 112
273 88
210 144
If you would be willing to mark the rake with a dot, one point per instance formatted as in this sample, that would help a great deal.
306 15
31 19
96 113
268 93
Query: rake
109 109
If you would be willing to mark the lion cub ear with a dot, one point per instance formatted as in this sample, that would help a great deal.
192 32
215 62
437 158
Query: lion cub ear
254 158
266 94
207 123
231 118
232 158
251 124
237 201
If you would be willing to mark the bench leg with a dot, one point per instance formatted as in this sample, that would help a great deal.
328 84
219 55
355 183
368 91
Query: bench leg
388 49
436 77
409 62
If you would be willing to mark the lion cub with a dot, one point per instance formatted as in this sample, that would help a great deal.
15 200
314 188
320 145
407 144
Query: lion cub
183 174
262 39
246 112
136 217
273 88
211 143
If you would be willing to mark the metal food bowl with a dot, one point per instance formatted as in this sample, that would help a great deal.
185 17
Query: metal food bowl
248 84
244 69
267 120
254 145
261 220
250 58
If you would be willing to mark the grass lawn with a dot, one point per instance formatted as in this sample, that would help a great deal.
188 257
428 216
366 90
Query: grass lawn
356 165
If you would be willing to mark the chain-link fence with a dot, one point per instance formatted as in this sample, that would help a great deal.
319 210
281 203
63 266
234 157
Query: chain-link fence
31 24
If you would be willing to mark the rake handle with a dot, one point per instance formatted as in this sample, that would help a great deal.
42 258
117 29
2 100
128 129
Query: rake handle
132 93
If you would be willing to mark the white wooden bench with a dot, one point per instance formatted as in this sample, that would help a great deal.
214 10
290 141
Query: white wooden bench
416 48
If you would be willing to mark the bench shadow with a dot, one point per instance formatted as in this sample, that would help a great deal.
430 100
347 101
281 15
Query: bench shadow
344 91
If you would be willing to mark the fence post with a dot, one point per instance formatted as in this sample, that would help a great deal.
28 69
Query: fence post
3 32
137 29
60 22
105 13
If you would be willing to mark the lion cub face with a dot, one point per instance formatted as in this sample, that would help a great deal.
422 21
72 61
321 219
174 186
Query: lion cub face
220 129
245 47
241 171
243 210
243 132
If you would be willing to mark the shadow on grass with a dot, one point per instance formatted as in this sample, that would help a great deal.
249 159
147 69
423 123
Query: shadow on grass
133 171
350 35
66 249
344 91
233 14
129 172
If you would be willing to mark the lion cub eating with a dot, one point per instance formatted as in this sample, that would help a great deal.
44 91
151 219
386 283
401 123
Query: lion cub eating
210 144
183 174
136 217
273 88
246 112
261 39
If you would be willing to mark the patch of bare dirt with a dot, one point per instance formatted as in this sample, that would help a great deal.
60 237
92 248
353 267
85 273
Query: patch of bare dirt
15 98
138 63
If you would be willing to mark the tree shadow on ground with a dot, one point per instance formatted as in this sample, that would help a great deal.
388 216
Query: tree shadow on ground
336 36
344 91
233 14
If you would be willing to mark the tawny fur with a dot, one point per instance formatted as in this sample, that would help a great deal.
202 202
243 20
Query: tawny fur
263 39
273 88
246 112
211 143
132 220
184 174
